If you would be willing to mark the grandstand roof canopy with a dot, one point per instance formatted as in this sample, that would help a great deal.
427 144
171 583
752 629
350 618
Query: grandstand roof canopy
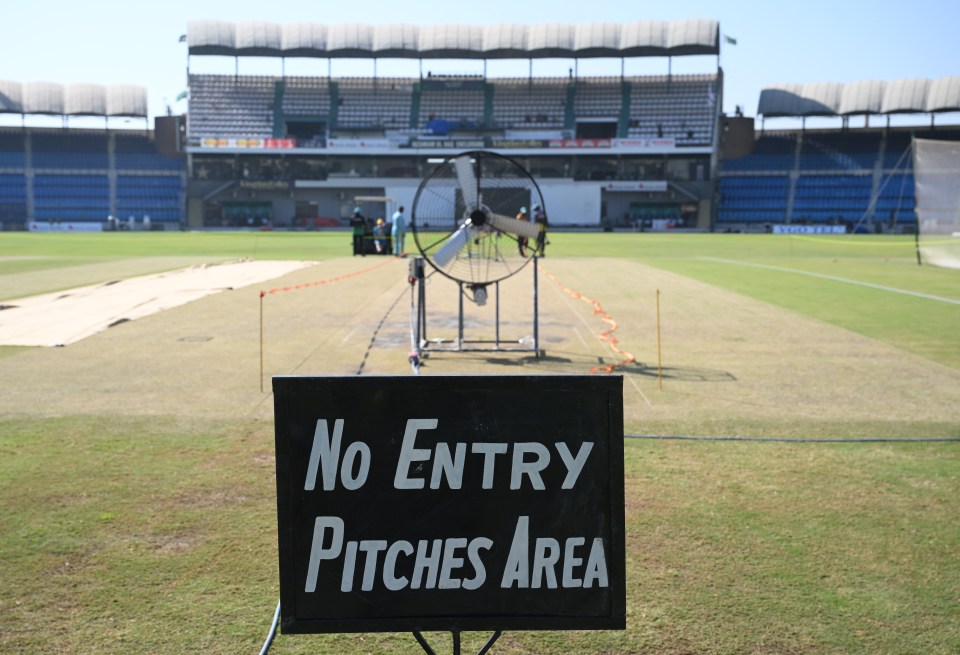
906 96
647 38
73 99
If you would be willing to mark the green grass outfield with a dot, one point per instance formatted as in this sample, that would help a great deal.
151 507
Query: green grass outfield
137 497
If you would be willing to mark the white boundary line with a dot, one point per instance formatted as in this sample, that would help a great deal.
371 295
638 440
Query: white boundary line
832 278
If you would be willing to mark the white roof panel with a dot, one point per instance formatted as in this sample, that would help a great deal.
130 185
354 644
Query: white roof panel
303 39
821 98
211 37
85 100
11 97
597 40
126 100
395 40
350 40
643 38
781 100
551 40
455 40
693 37
42 98
451 41
864 97
944 94
505 40
908 95
259 38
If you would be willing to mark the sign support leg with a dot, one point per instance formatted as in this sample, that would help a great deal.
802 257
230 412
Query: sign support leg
456 643
460 318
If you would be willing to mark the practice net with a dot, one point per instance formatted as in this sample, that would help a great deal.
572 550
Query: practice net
936 169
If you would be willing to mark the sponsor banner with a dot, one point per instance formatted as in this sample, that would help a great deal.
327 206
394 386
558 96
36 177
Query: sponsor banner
442 144
265 185
246 142
441 503
580 143
65 226
360 144
518 143
639 185
809 229
646 144
279 143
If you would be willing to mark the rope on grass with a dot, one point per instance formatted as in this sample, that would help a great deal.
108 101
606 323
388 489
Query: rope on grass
295 287
606 335
339 278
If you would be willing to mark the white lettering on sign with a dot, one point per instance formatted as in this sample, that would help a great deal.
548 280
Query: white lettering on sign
317 550
457 562
440 564
528 461
409 454
443 563
546 555
325 455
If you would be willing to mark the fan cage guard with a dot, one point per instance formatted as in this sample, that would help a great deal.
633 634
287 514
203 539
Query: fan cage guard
463 222
451 195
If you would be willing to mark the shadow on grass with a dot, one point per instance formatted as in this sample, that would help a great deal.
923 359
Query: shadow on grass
681 373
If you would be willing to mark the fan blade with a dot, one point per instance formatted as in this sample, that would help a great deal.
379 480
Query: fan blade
514 226
468 182
453 246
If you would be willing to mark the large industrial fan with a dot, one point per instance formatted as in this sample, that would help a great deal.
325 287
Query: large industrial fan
477 218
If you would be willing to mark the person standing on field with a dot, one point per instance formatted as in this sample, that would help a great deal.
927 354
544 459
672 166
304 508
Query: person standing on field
398 230
522 215
540 218
359 225
379 232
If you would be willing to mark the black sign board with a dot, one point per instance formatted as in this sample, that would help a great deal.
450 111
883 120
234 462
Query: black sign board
450 503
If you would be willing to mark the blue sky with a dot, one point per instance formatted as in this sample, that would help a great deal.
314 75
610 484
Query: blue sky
114 42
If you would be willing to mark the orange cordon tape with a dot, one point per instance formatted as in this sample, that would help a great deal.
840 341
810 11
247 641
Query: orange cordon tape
606 335
327 281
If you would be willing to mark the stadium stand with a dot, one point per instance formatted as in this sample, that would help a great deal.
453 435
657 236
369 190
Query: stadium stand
74 150
365 103
841 177
532 103
83 176
680 107
683 108
858 178
228 106
13 198
625 150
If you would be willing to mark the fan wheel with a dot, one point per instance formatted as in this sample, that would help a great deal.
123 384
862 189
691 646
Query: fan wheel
467 218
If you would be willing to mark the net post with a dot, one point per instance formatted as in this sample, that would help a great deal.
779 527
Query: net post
261 341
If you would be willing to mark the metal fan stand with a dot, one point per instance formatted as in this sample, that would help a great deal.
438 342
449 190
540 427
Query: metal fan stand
461 343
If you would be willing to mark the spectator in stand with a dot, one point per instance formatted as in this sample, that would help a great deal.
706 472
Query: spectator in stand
398 230
359 225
